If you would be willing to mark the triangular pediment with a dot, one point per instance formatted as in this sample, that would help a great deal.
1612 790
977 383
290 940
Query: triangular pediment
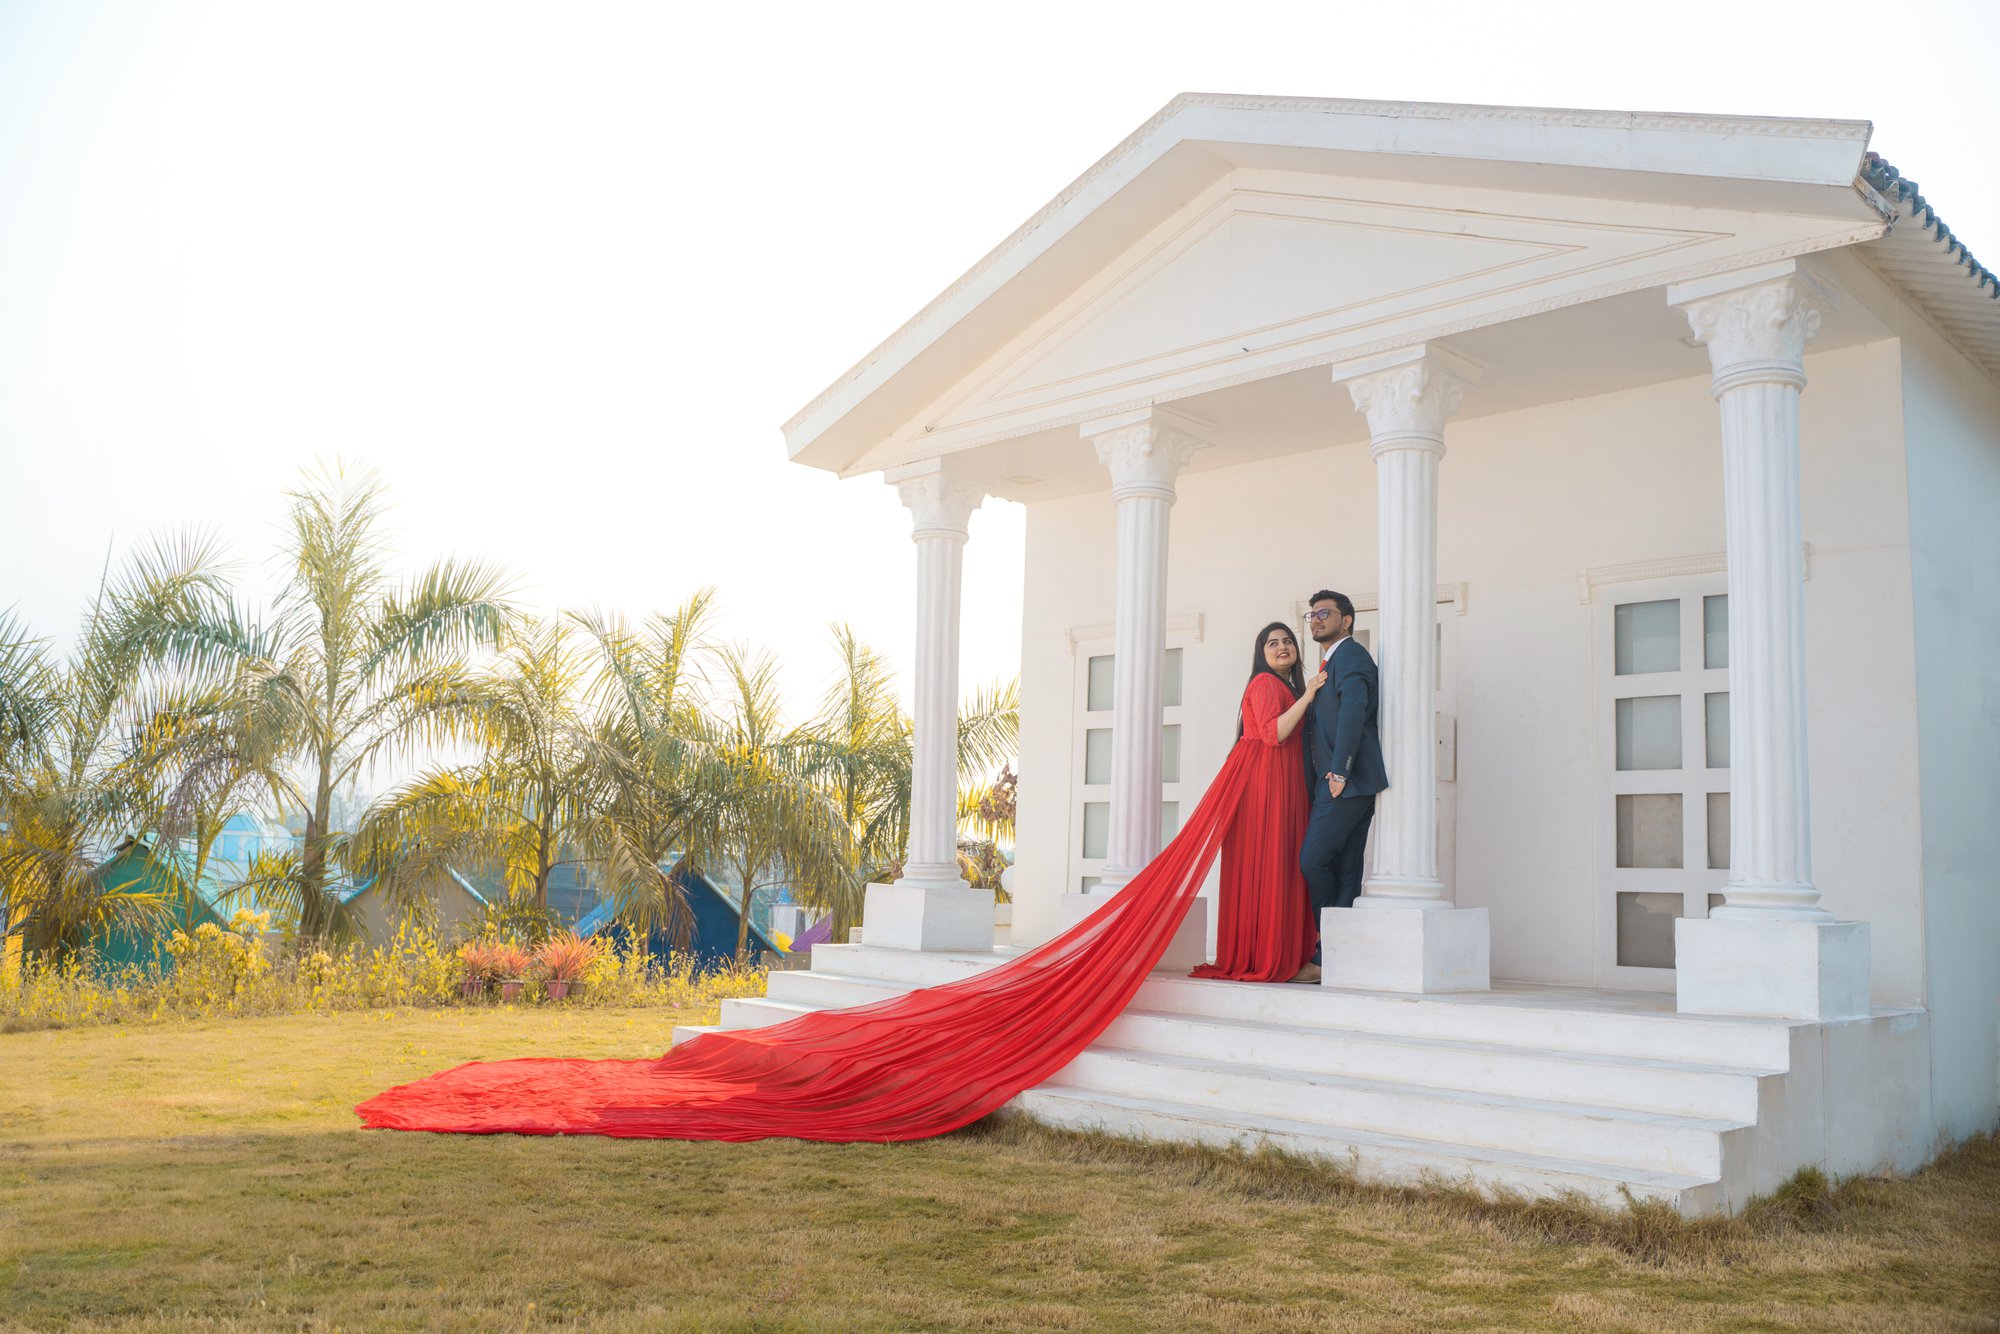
1257 272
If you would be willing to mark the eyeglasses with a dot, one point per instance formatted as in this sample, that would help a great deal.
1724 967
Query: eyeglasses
1319 614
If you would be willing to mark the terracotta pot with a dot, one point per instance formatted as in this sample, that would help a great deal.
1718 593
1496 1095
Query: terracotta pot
510 989
557 990
472 988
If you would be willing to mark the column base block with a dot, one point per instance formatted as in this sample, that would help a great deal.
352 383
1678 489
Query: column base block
1189 947
1771 969
1425 951
914 916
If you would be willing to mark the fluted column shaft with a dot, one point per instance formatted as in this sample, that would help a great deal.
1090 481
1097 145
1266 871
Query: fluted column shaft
1144 456
1407 405
1756 336
941 506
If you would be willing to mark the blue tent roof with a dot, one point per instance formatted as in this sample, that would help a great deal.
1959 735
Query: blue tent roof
715 922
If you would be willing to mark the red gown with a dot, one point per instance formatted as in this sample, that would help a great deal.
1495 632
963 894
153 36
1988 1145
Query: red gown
917 1065
1265 931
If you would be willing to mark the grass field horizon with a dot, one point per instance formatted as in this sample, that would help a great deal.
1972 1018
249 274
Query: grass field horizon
212 1175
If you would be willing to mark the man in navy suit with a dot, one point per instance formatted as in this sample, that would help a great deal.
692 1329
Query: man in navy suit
1344 768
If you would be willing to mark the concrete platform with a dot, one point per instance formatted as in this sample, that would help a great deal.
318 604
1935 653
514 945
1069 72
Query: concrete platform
1524 1088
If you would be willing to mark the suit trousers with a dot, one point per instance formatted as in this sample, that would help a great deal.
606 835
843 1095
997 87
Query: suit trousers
1331 857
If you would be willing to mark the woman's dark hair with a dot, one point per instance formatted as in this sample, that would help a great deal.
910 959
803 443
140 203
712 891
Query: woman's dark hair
1295 680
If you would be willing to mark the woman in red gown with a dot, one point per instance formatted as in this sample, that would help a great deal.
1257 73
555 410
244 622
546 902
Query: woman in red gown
1266 933
940 1057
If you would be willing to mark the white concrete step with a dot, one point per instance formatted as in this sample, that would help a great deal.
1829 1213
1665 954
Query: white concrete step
1678 1088
829 990
1630 1140
1390 1159
1540 1018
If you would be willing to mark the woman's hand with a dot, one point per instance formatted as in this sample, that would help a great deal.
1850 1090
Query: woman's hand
1313 685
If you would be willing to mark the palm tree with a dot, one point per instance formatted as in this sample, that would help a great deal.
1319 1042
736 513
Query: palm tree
77 782
351 668
540 797
776 823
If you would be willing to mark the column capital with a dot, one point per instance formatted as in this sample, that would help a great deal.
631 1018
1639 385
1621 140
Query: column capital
1407 394
1145 450
1756 322
940 500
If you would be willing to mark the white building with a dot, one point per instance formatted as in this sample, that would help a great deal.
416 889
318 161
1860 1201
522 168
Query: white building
1687 430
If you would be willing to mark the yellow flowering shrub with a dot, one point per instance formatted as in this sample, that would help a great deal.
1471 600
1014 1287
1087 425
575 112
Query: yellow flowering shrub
242 971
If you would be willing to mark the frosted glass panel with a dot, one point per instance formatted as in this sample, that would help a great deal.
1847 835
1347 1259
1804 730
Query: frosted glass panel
1646 930
1096 828
1648 637
1170 685
1087 883
1170 820
1718 831
1715 630
1716 706
1649 830
1170 754
1097 755
1649 732
1099 694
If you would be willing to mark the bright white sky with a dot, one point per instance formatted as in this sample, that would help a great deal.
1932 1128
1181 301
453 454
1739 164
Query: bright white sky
560 271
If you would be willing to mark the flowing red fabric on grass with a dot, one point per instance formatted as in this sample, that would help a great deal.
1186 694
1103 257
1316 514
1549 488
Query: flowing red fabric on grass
919 1065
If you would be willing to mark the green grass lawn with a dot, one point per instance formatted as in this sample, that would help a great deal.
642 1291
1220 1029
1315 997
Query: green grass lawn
212 1176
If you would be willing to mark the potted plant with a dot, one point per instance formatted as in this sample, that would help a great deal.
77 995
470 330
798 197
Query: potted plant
564 959
478 962
511 962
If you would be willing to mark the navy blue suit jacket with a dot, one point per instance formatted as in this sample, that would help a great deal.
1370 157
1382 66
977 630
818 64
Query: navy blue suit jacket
1342 740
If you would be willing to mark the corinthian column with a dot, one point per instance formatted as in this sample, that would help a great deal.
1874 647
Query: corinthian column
931 907
1145 451
1408 936
1756 324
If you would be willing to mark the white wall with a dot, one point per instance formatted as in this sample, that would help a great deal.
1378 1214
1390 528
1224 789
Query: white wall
1951 415
1527 499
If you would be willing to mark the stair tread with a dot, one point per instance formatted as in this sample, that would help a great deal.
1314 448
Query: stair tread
1450 1044
1251 1121
1318 1079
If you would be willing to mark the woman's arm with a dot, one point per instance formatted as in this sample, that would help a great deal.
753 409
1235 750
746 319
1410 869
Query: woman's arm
1270 714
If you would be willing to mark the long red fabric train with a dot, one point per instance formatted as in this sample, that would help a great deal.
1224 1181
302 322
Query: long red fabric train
921 1064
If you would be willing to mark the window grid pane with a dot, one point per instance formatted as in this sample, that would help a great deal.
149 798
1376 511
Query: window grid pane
1715 708
1170 754
1649 830
1646 930
1718 831
1649 732
1098 696
1170 820
1170 684
1647 637
1715 630
1096 828
1097 755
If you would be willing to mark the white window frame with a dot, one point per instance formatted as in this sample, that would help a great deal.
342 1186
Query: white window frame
1693 682
1183 633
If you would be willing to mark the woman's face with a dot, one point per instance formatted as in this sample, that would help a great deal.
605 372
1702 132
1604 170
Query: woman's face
1280 652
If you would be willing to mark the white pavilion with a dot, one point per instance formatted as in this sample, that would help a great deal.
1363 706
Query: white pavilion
1661 456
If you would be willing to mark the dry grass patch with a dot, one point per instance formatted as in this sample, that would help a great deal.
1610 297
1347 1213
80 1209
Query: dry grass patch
212 1176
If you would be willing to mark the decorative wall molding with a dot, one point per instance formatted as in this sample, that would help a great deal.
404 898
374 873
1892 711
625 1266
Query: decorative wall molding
1589 580
1190 627
1458 595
